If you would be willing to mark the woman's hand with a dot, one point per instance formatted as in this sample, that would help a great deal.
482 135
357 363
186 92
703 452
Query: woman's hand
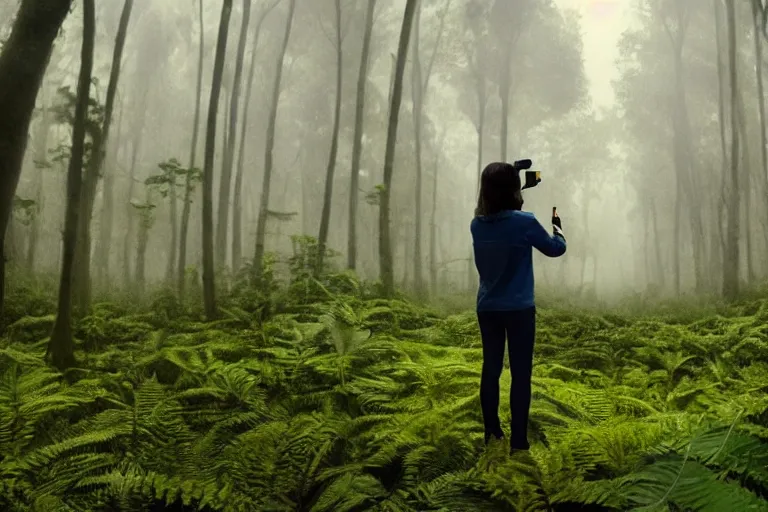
557 224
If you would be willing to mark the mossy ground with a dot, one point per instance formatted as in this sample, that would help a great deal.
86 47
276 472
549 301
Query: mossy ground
325 398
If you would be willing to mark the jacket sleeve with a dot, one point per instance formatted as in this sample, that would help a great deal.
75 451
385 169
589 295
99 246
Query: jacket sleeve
549 245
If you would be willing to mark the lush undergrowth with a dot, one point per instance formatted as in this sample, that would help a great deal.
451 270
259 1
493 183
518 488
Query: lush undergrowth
332 400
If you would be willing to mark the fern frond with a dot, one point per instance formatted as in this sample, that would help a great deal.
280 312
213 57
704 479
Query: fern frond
688 485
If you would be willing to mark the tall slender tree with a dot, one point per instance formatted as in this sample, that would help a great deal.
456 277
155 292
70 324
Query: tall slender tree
23 61
759 70
762 9
433 271
325 217
41 157
386 267
261 223
209 291
420 80
677 27
188 185
61 346
731 260
721 88
237 201
106 225
170 270
130 231
479 82
93 170
417 93
225 183
357 144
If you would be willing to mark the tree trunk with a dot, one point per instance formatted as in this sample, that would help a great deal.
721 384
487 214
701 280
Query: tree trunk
746 188
14 240
61 346
147 217
595 272
731 270
305 201
23 62
41 157
261 223
763 14
128 242
209 292
225 185
180 278
91 179
170 271
505 85
482 102
680 160
385 243
357 144
417 91
407 236
721 202
716 244
108 212
284 206
325 218
683 155
648 270
585 223
224 141
761 103
237 203
657 246
433 229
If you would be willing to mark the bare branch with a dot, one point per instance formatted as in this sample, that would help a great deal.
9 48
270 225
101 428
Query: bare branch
331 39
436 49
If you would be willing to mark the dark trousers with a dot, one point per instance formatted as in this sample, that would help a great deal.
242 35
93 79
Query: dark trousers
518 330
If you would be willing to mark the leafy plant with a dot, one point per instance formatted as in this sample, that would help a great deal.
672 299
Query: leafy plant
347 402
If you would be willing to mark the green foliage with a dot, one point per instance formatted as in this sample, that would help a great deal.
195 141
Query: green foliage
64 113
174 176
146 213
373 197
25 210
31 329
29 296
333 400
64 110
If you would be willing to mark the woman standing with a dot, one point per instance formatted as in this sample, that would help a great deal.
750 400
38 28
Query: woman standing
503 237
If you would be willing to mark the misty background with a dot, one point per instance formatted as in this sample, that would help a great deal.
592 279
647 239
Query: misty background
620 113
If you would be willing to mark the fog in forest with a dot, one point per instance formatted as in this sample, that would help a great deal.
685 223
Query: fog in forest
237 271
624 106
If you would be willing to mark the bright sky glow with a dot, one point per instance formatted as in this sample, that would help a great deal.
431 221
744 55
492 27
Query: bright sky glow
603 22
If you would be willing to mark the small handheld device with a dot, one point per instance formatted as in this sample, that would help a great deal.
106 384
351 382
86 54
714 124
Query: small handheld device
532 178
554 211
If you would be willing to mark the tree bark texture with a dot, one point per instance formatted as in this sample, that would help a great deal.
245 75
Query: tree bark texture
23 62
261 223
61 346
386 270
209 292
189 184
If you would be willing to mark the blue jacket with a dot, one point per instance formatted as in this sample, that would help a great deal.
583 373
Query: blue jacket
504 258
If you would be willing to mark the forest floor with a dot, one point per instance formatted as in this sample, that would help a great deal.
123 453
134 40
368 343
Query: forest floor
330 399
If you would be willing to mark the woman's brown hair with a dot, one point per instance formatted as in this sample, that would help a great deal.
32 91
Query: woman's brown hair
499 189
